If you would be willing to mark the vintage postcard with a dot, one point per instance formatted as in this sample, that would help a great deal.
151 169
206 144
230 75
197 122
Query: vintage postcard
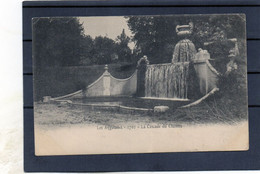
140 84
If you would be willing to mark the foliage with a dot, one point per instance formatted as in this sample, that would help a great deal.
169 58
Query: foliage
57 41
233 91
153 37
122 48
88 49
61 42
153 33
103 51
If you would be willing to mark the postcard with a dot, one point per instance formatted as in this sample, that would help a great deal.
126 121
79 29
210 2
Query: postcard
140 84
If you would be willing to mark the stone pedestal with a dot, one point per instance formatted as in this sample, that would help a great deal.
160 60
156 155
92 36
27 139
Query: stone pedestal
106 82
206 73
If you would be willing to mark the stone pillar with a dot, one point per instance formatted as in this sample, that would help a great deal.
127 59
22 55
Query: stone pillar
207 75
106 82
201 71
141 70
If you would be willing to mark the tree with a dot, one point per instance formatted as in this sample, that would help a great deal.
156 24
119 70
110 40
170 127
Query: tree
87 47
57 41
104 50
155 36
122 48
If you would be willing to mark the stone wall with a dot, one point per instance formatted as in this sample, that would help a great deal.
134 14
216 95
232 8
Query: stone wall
123 86
107 85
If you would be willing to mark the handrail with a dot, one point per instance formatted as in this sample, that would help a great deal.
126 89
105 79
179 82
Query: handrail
178 63
68 95
95 81
212 68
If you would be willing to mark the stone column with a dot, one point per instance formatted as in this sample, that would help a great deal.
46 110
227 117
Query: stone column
206 73
141 70
106 82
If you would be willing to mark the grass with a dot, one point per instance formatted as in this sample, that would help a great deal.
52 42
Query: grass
56 114
206 112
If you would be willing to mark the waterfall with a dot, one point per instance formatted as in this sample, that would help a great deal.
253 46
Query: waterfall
170 80
167 80
183 51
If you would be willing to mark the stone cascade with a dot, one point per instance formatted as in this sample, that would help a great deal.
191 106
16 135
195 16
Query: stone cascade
184 51
158 81
167 80
170 80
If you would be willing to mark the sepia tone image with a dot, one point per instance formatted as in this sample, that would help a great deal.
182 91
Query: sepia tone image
140 84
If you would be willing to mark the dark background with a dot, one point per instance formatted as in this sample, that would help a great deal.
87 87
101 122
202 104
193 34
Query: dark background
157 161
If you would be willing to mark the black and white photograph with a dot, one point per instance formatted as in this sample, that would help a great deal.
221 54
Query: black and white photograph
140 84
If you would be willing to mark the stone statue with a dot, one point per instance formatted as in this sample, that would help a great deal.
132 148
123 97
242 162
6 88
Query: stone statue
143 60
233 53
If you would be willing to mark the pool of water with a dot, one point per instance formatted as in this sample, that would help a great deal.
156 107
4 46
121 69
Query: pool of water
133 102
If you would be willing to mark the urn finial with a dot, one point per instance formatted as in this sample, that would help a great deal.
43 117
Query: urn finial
106 67
184 29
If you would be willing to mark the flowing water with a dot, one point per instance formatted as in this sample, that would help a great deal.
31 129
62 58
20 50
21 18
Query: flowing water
170 80
167 80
